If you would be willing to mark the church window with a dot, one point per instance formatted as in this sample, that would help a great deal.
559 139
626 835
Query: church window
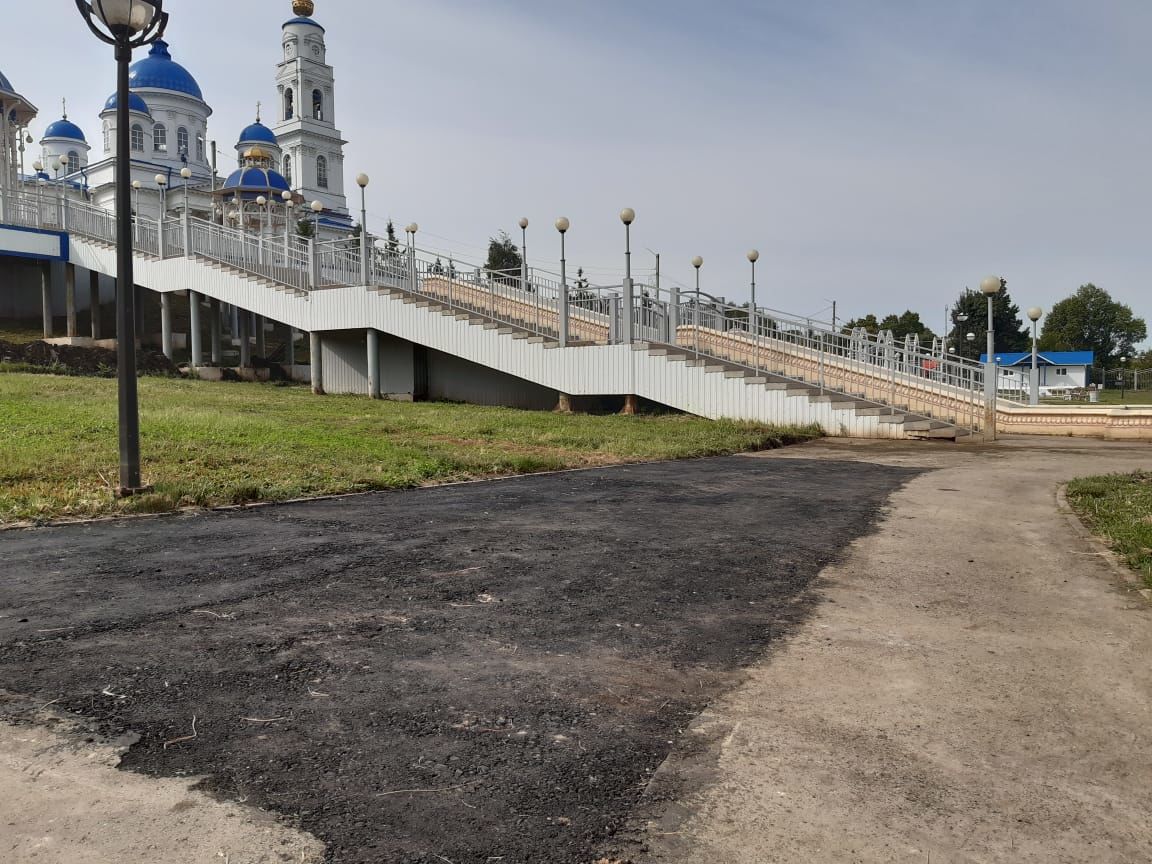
138 138
288 169
289 104
73 161
321 172
160 138
199 147
182 141
317 104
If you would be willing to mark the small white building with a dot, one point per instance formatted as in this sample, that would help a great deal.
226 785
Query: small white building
1059 370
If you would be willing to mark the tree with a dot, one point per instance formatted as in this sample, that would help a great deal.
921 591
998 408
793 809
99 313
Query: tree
305 228
1011 334
391 244
503 259
907 324
1090 320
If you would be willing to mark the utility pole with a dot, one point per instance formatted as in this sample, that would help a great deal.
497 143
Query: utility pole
833 316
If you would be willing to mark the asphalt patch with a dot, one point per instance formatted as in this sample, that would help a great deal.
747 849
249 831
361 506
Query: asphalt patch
476 673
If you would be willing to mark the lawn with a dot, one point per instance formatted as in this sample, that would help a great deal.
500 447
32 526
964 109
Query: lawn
1107 397
208 444
1119 508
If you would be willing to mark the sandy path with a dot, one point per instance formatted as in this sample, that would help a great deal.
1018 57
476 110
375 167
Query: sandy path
976 687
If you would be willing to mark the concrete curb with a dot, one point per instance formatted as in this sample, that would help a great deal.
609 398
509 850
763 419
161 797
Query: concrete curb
1129 580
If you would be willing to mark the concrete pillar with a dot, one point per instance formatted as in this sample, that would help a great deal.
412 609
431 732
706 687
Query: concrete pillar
166 324
215 326
316 356
564 404
70 300
196 351
245 322
94 303
630 404
374 364
46 298
261 345
290 350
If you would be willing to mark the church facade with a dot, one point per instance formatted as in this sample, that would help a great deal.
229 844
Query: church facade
280 170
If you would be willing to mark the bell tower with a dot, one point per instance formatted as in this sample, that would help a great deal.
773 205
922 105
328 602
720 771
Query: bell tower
305 127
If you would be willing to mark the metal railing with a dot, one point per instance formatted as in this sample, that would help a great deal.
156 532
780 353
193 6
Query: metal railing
763 340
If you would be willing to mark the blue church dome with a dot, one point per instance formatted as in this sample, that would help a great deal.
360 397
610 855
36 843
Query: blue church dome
65 129
257 133
135 103
159 71
303 20
256 180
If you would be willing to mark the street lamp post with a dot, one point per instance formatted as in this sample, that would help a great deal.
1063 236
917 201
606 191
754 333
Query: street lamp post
697 262
524 254
186 175
1034 314
961 319
562 225
411 232
286 196
753 315
365 264
628 216
990 287
1123 381
127 24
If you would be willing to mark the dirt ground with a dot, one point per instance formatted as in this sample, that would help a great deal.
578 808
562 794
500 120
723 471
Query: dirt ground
974 686
478 673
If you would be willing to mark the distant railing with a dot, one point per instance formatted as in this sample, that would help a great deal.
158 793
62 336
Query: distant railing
764 340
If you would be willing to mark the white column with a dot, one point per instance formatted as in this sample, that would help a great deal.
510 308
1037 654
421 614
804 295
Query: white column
316 356
374 364
166 324
196 356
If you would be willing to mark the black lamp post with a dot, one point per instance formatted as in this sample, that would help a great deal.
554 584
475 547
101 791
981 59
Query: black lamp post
125 24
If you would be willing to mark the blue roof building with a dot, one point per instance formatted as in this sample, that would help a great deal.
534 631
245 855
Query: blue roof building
158 71
1059 370
1045 358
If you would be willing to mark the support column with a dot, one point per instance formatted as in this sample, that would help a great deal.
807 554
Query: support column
215 326
196 353
564 404
94 303
631 403
166 324
316 357
245 321
290 351
70 300
46 298
374 364
261 344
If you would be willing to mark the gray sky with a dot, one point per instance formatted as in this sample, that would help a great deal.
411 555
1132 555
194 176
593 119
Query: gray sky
883 153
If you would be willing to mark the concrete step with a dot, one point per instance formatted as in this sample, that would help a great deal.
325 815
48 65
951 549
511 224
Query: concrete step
924 424
521 334
735 373
895 419
873 410
946 433
491 325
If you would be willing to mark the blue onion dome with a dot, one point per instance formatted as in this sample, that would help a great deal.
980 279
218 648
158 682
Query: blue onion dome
257 133
158 71
5 84
253 179
65 128
136 104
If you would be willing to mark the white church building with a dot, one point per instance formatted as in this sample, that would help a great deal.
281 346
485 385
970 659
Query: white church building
174 161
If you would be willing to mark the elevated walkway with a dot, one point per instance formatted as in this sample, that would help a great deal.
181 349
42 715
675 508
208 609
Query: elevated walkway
692 352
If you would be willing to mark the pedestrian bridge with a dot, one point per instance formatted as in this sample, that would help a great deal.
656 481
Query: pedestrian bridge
390 321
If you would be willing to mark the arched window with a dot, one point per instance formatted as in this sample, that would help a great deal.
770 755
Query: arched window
182 141
288 169
289 104
73 161
138 138
160 138
321 172
199 147
317 105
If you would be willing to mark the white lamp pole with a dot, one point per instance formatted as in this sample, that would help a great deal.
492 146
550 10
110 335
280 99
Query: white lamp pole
628 216
162 182
753 315
562 225
990 287
286 197
524 254
365 263
1035 314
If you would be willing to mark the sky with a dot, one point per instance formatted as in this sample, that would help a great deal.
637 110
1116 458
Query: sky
884 154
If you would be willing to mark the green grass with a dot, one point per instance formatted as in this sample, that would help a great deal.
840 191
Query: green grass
1107 397
20 332
207 444
1119 508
